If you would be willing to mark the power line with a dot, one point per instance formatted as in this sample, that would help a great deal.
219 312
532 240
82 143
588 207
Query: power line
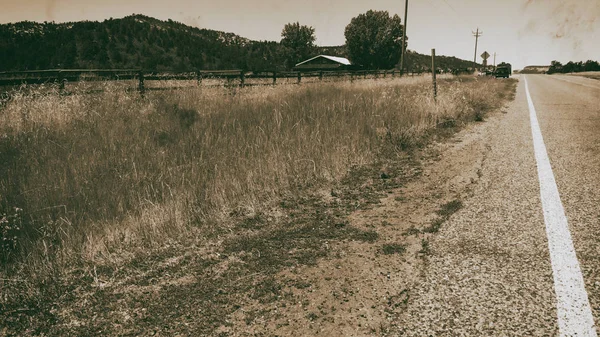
460 20
463 19
452 8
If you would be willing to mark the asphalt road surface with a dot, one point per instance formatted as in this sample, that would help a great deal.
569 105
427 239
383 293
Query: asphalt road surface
504 265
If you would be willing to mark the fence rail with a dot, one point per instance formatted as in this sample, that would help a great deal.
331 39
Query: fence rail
233 77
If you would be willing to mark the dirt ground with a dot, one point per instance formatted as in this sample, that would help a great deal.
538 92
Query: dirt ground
362 287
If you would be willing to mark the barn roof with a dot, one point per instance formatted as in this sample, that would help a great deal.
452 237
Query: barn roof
341 60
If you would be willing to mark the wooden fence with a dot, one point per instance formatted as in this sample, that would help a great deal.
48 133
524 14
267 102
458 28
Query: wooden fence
234 77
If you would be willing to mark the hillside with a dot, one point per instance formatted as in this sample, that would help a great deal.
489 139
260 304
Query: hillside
132 42
138 41
414 61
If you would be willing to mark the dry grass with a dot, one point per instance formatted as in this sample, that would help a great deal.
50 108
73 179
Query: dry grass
114 168
102 176
589 74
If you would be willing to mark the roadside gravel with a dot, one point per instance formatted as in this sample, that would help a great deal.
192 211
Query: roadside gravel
488 272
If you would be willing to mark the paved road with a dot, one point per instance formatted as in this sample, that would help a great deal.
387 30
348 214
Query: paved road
490 271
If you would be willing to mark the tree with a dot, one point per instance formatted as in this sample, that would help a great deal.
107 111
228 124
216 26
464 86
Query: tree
298 42
555 67
374 39
572 67
591 65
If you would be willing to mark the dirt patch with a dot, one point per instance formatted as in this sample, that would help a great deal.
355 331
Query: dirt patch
361 287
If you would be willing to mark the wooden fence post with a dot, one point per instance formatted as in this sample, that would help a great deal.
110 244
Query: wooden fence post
393 73
274 78
199 77
61 82
242 78
321 75
141 88
299 77
433 73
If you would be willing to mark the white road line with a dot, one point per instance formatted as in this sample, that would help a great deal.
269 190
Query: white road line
573 307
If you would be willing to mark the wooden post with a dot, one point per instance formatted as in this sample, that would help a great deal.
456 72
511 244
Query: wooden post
384 73
242 78
199 77
433 73
141 88
61 82
274 78
299 77
393 73
351 77
321 75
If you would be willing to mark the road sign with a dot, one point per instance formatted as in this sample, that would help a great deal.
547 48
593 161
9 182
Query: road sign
485 55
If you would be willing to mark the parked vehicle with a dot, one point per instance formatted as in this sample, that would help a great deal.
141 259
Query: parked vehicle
503 70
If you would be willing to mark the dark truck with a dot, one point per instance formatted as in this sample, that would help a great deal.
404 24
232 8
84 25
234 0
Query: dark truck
503 70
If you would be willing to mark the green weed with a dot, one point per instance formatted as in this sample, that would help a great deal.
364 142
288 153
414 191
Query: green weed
393 248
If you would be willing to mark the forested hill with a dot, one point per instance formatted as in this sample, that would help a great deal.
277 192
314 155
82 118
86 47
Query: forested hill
420 61
135 41
138 41
414 61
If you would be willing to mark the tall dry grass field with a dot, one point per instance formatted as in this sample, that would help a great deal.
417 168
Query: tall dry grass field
85 175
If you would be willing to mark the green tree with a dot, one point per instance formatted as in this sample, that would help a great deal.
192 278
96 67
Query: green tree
571 67
555 67
591 65
374 39
298 42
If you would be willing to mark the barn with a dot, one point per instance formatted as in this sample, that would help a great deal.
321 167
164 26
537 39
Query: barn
324 62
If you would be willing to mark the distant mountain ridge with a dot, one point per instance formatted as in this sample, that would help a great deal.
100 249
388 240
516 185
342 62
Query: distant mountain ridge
139 41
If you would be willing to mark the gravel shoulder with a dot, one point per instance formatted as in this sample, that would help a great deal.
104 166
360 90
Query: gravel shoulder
488 272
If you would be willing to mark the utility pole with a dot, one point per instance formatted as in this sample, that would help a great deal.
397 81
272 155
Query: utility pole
477 34
403 39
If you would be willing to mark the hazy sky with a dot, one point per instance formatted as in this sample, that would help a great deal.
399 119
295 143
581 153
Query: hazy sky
521 32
